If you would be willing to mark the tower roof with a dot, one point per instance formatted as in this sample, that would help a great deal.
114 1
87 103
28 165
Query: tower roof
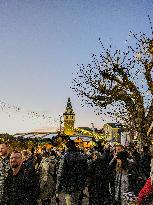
69 109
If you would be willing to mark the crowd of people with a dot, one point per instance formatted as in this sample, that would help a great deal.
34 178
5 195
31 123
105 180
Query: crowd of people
106 175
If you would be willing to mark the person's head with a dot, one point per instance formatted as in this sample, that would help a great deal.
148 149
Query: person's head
145 149
119 148
122 159
15 159
45 154
70 145
123 155
32 151
107 148
96 155
3 149
43 150
25 155
130 151
52 153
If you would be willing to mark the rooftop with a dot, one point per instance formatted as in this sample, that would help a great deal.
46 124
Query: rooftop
115 125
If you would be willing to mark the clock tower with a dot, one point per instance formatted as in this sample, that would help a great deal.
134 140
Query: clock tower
69 119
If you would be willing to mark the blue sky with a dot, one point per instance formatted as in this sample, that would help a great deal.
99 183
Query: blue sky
42 41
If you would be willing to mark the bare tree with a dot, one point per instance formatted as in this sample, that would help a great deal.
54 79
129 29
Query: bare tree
121 84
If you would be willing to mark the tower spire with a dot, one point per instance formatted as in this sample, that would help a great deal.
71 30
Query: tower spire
69 109
69 119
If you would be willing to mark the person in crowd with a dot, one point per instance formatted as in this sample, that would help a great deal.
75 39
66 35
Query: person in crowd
21 186
99 180
32 157
144 164
99 147
116 149
27 162
47 178
38 158
89 156
107 153
126 175
119 148
4 166
145 196
136 156
25 154
72 173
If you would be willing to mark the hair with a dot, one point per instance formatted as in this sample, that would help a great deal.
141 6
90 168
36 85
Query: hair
119 145
25 153
98 154
1 142
146 149
32 150
16 152
53 153
123 155
44 148
70 144
45 154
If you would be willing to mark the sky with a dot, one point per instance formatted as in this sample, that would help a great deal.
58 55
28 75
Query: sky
41 43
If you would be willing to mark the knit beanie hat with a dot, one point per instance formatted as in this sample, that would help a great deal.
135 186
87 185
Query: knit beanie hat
123 155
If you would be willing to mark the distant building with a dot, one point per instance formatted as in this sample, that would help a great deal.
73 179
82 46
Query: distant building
69 119
84 130
116 132
82 140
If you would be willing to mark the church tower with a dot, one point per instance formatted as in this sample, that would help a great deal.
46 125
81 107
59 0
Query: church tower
69 119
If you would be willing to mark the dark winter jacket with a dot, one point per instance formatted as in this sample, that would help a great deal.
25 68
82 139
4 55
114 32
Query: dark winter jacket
72 172
21 189
4 168
99 182
144 165
47 178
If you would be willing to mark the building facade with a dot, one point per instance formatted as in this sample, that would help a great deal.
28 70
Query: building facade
116 132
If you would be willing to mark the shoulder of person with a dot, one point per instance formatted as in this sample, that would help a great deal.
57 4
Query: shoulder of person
7 158
130 161
10 172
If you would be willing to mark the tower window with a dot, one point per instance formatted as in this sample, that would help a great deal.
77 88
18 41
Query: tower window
67 117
